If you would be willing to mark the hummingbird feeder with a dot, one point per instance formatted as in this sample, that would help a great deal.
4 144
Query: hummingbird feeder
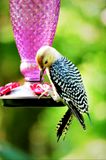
34 24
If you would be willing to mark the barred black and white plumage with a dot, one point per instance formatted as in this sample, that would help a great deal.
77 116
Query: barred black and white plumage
64 123
67 84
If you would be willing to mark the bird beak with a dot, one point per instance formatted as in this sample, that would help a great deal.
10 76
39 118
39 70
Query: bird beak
41 74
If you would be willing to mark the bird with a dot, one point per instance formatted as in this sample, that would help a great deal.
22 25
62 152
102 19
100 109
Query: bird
67 85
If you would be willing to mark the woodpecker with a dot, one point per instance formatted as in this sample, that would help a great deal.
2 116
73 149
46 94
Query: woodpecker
67 85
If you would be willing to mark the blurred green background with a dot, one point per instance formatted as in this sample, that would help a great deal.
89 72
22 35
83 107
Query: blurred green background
29 133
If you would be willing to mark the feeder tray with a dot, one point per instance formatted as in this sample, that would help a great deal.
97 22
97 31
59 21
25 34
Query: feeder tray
26 95
30 102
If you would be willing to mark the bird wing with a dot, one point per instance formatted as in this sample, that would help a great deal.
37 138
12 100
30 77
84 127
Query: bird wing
74 110
68 83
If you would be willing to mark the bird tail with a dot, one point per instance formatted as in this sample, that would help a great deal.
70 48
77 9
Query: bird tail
77 114
64 123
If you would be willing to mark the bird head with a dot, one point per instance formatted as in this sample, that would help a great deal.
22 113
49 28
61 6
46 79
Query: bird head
45 57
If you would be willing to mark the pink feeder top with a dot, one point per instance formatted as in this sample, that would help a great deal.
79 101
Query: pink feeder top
34 25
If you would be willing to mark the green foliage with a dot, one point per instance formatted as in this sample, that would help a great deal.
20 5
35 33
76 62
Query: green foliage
9 153
80 36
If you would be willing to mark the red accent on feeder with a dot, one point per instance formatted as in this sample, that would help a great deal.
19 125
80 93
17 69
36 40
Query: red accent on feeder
8 88
4 90
39 88
13 85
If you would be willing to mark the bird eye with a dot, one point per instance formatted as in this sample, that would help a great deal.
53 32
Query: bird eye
46 62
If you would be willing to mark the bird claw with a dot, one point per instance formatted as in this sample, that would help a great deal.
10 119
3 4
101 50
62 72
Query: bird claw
45 90
44 93
48 91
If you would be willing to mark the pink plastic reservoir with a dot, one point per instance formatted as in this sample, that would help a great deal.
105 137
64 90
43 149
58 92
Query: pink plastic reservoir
34 25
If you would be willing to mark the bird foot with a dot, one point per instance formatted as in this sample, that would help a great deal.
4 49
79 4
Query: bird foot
45 93
49 91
